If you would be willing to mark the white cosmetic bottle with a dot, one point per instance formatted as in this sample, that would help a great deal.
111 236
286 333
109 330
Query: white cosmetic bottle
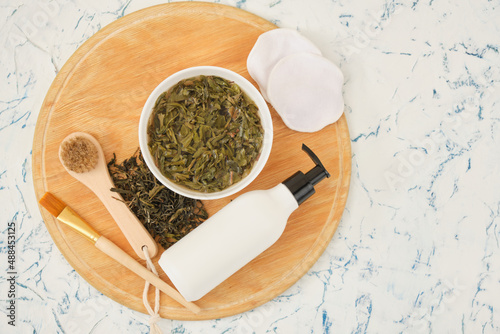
236 234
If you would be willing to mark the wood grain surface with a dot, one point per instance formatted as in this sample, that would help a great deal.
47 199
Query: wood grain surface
101 90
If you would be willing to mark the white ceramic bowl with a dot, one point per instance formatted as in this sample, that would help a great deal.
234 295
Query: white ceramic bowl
248 88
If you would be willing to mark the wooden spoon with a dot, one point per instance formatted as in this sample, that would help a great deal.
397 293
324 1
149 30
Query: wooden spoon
99 181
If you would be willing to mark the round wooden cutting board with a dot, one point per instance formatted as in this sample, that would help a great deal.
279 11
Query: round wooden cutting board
101 90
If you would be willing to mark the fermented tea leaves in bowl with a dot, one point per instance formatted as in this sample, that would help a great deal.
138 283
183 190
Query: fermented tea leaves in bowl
205 133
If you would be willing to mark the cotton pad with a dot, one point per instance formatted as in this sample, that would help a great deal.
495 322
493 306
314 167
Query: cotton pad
305 89
272 46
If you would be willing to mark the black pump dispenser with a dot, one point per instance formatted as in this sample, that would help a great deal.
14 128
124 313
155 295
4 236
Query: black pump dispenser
302 185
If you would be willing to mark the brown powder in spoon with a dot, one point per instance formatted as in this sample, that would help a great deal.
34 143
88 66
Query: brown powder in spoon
79 154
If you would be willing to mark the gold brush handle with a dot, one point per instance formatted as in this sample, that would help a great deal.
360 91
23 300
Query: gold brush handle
73 220
119 255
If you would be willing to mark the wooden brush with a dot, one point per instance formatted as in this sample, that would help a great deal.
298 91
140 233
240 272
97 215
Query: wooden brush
82 157
66 215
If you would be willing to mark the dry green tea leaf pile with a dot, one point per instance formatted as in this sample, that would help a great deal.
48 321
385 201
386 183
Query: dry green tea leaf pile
205 133
166 215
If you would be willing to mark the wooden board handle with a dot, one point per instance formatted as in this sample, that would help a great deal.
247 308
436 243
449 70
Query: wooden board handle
126 260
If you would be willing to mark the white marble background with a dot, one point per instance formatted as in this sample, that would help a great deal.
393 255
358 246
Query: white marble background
417 250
